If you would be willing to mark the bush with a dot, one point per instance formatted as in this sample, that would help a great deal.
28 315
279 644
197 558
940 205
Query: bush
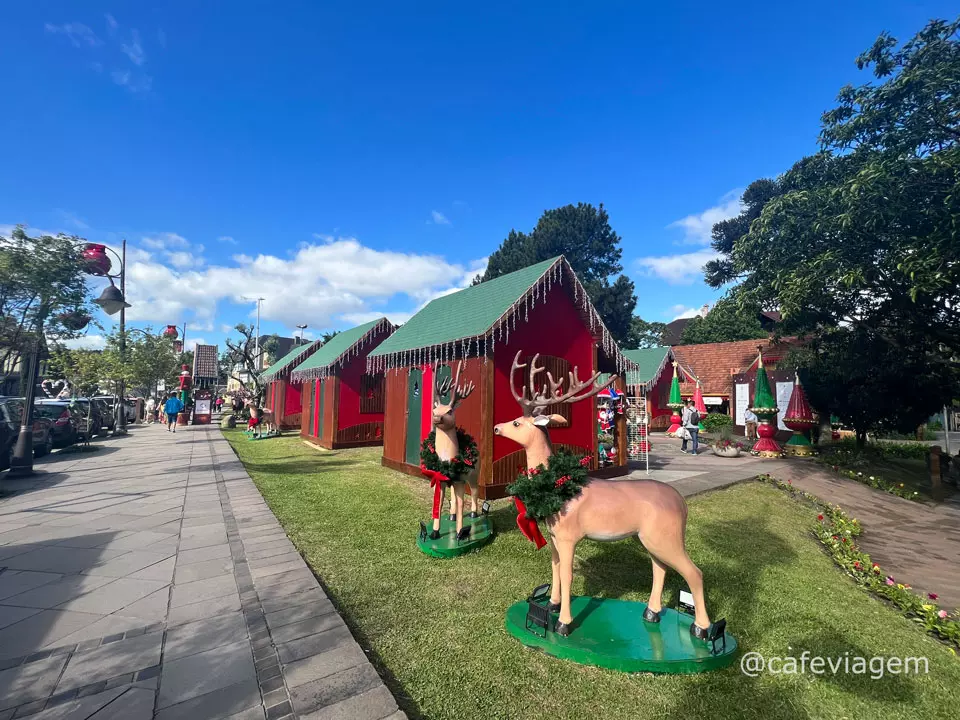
716 422
883 450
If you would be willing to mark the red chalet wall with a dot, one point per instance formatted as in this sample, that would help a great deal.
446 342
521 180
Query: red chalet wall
349 404
555 328
292 398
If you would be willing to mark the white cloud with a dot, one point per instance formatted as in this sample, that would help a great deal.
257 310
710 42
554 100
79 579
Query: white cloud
397 318
192 343
438 218
680 312
183 259
224 328
698 227
133 49
132 81
165 241
78 34
112 24
87 342
680 269
226 239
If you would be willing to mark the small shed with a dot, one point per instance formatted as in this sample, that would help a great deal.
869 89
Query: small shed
284 395
651 381
342 404
542 309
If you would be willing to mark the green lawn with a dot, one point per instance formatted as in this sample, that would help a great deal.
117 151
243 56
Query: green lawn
435 627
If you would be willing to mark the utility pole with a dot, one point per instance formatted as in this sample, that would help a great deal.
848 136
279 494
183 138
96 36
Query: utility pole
259 360
120 424
301 328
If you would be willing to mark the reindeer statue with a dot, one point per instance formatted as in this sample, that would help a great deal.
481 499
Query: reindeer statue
448 448
603 510
260 419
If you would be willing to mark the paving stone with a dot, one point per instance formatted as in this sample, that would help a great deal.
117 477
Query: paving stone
203 635
313 644
138 540
61 559
80 709
294 564
107 624
152 608
211 552
370 705
222 703
203 570
30 708
303 628
283 602
52 594
14 582
335 688
207 539
45 628
258 563
109 661
201 590
10 615
114 596
273 552
252 713
26 683
162 570
327 663
205 672
204 609
134 704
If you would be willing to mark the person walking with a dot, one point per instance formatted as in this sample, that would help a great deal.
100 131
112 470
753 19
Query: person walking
750 424
150 408
691 423
172 407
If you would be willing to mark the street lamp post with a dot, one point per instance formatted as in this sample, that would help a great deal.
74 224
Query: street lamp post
96 262
301 328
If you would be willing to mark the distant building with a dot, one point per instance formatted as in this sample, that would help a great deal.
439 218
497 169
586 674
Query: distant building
674 331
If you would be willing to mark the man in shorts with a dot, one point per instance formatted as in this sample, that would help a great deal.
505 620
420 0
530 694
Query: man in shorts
172 407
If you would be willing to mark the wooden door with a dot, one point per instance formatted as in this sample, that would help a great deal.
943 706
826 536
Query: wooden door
310 392
320 404
414 415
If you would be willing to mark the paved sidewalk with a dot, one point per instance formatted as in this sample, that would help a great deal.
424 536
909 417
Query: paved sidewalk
150 580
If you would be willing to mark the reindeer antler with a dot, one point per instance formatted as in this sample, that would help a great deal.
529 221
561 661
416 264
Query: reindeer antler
452 386
553 393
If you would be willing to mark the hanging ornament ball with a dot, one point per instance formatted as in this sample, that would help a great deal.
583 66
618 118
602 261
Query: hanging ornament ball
95 259
74 320
171 332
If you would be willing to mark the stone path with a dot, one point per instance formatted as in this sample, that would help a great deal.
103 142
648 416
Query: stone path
916 543
150 580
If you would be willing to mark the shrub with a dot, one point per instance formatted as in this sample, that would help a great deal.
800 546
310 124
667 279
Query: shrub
715 422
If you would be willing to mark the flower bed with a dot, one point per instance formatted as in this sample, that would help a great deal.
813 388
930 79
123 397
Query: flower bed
837 533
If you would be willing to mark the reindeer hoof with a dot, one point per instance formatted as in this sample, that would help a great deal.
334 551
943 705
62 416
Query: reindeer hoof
553 607
434 534
562 629
698 632
474 514
650 616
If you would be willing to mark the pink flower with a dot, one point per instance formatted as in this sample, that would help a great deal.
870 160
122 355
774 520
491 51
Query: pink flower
890 580
844 539
932 596
857 565
942 614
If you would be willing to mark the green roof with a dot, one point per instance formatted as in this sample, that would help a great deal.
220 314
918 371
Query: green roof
468 313
289 359
340 344
650 363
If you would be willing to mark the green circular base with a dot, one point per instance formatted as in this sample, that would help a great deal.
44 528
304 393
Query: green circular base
611 633
446 546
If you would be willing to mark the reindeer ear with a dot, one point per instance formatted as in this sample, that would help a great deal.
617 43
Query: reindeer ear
550 420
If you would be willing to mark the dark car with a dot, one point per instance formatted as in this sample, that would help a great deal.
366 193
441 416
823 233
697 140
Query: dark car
90 423
66 421
105 408
11 412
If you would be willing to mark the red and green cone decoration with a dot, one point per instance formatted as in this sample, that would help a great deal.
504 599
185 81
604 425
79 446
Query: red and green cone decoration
765 408
676 402
799 418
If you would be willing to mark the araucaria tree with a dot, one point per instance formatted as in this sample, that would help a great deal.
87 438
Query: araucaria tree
581 233
858 245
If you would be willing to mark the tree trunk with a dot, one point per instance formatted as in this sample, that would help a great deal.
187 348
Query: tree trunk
861 439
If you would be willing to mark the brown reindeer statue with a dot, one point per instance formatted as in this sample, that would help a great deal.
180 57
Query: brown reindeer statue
604 510
448 447
260 419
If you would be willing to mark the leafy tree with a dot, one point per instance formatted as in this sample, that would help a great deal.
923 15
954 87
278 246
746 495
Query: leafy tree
644 334
83 370
726 322
329 335
857 246
242 361
41 279
869 384
270 345
581 233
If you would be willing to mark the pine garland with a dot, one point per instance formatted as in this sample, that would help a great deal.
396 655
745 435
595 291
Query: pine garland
464 462
545 490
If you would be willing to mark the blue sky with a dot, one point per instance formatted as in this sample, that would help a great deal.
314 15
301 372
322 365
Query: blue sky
344 160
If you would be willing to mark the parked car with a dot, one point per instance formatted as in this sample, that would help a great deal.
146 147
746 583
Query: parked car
66 421
105 405
11 412
90 422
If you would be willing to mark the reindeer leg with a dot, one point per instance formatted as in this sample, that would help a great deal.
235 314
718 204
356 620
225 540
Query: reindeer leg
565 549
458 504
555 585
474 492
671 552
655 603
453 503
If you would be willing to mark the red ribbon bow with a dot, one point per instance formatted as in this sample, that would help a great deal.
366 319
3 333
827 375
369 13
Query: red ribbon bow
528 526
437 479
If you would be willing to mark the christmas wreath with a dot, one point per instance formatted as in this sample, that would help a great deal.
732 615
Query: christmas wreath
464 462
545 490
